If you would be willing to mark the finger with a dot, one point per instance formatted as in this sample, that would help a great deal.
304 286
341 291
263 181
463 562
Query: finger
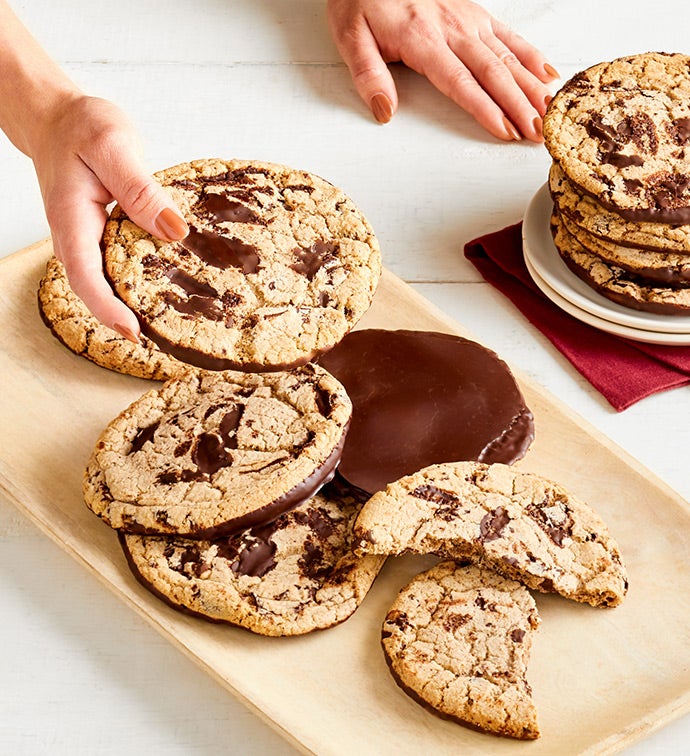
117 166
369 72
535 90
531 58
516 91
452 77
76 237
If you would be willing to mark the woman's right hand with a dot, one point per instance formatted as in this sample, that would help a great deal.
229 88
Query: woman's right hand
86 154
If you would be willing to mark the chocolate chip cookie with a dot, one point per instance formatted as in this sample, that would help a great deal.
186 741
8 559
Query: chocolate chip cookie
616 283
523 526
76 328
604 224
620 131
653 268
215 453
458 640
289 577
421 397
278 265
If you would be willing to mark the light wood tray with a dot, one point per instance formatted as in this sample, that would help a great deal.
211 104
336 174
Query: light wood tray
601 678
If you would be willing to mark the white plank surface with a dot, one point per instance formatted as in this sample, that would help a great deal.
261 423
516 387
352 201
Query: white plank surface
80 672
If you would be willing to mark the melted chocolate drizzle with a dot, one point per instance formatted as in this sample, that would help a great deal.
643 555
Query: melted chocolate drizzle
310 260
227 209
222 251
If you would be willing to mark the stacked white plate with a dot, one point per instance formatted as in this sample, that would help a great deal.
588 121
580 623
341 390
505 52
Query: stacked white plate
575 297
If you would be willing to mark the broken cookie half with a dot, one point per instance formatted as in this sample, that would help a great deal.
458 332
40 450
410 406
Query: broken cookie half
457 639
523 526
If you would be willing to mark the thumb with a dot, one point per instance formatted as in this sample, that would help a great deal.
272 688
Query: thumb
147 203
369 72
140 196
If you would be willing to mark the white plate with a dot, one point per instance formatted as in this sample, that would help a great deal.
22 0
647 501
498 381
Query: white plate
541 252
636 334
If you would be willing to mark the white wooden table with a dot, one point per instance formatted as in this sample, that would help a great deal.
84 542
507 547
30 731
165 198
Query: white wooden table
81 673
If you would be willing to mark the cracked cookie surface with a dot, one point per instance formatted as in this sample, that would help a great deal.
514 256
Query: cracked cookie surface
290 577
215 453
458 640
620 131
614 282
523 526
75 327
279 264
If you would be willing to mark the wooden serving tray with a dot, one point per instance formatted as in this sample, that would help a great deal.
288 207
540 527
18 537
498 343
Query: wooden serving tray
602 678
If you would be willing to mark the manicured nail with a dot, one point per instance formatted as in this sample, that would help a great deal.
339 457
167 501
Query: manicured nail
547 100
512 132
126 333
551 71
381 107
170 225
537 123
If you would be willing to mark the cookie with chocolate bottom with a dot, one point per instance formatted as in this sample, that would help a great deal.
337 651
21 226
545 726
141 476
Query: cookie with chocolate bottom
423 397
278 265
521 525
616 283
620 131
598 221
75 327
289 577
654 268
216 453
458 639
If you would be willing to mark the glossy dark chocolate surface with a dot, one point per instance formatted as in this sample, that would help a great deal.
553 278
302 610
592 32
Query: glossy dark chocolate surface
421 398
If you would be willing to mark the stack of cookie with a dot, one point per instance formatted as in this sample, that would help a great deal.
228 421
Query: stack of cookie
218 482
618 134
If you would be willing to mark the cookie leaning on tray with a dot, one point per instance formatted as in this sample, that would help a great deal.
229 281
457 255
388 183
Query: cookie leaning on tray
211 454
436 638
618 133
457 638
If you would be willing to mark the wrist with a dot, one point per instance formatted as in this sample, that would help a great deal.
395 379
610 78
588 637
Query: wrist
42 117
33 88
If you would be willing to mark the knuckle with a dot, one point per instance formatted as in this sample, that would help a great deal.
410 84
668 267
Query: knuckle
492 68
509 59
139 194
422 28
366 74
460 79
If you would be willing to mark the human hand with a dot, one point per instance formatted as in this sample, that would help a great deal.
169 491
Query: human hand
488 70
86 155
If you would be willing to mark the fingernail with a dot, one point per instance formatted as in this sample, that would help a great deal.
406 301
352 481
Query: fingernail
547 100
512 132
170 225
126 333
381 107
551 71
537 123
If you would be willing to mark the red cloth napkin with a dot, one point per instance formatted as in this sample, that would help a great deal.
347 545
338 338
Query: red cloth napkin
623 371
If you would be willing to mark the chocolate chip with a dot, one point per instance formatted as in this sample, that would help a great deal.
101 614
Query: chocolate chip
492 524
143 435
